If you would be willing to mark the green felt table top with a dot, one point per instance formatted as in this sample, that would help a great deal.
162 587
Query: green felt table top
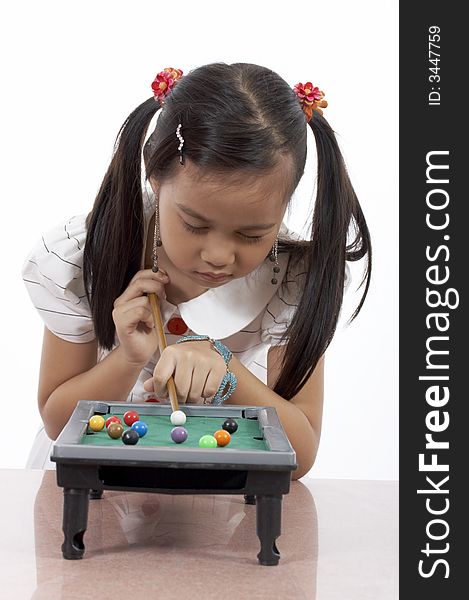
159 433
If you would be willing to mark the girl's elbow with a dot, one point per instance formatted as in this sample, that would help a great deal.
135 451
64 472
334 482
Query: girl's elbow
302 470
305 464
50 426
306 455
51 431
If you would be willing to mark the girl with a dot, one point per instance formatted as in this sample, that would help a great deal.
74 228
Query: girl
192 209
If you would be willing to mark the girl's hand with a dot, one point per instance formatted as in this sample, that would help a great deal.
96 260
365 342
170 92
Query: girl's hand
197 369
133 317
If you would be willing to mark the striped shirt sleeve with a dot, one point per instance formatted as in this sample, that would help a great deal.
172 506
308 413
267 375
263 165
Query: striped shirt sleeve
53 276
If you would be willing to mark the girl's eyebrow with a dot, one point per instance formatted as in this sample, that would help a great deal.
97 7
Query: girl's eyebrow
189 211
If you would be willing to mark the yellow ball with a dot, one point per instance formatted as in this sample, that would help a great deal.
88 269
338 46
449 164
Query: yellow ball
97 423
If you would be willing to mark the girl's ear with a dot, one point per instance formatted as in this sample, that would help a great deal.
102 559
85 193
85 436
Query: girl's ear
154 185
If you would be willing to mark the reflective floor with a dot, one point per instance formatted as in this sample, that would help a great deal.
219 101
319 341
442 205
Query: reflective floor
339 541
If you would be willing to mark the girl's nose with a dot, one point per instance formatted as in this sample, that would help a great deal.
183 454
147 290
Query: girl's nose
218 264
218 257
217 252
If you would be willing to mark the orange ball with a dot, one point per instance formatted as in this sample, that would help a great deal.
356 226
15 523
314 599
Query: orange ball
223 437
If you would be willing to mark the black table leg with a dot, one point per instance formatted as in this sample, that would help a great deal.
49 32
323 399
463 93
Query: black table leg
75 521
269 511
96 494
249 499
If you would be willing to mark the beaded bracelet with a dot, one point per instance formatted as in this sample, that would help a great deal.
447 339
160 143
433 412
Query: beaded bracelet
229 378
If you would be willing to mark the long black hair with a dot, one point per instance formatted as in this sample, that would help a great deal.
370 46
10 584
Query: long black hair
238 118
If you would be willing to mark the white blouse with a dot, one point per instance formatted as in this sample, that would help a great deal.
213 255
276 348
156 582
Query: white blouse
249 314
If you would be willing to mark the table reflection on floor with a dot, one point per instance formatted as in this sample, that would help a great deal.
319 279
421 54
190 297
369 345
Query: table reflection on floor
175 546
339 541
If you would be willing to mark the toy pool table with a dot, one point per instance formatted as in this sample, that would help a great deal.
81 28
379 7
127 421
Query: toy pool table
257 462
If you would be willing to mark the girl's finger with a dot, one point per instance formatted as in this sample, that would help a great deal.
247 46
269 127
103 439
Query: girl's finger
183 378
147 274
164 369
148 385
199 382
141 286
133 312
212 384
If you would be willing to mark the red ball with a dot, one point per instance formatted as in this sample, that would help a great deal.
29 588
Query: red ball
130 417
113 419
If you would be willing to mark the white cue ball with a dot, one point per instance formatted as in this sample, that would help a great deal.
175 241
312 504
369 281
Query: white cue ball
178 417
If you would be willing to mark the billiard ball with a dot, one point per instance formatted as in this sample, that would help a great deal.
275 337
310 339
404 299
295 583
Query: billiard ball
115 430
130 417
96 423
178 417
207 441
223 437
230 425
179 434
113 419
140 427
130 437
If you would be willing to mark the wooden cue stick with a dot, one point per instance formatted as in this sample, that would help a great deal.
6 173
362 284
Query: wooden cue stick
155 306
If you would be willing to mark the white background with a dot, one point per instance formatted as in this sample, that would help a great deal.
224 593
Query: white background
73 72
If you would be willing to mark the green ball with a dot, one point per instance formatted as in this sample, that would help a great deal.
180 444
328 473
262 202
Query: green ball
208 441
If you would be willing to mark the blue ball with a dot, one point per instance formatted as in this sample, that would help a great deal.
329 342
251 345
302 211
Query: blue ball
179 434
140 427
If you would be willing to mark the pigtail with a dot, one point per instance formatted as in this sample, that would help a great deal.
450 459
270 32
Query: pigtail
337 210
115 225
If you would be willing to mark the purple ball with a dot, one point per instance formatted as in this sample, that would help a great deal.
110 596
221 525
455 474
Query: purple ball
179 434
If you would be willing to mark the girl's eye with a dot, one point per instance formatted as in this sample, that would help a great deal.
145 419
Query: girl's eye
192 229
200 230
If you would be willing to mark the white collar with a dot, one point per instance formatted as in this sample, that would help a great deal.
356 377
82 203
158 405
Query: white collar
223 311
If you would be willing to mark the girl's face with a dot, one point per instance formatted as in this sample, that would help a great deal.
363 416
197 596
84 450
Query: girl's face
218 224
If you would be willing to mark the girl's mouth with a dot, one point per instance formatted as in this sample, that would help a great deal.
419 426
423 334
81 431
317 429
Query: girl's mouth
218 279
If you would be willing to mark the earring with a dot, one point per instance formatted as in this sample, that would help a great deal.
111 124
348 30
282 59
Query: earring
181 140
156 237
274 257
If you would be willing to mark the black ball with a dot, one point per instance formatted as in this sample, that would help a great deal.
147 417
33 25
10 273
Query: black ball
230 425
130 437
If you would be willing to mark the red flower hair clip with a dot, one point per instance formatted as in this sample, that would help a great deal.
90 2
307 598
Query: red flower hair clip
311 98
164 82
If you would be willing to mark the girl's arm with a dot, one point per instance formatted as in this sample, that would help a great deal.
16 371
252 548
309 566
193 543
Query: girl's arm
70 372
301 416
